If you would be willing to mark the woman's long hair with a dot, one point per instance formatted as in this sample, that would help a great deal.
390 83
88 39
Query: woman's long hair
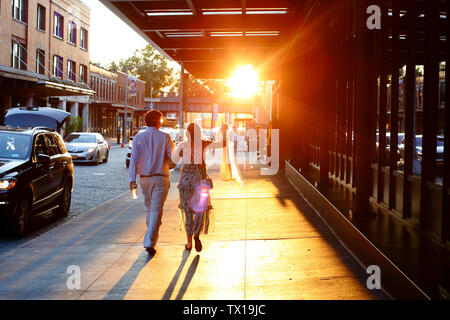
193 133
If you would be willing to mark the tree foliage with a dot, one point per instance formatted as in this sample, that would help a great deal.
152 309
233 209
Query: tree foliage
113 66
149 65
75 124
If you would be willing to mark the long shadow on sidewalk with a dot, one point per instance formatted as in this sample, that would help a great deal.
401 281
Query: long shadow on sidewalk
189 275
127 280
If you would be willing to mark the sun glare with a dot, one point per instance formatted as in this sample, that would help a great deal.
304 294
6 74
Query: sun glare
244 82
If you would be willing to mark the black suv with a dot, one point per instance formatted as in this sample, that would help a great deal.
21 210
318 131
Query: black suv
36 171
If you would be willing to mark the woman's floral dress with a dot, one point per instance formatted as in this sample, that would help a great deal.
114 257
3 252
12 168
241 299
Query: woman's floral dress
196 211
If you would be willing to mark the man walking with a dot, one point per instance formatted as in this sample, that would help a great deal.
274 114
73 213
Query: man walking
150 159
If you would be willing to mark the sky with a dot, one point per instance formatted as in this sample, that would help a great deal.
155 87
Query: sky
110 38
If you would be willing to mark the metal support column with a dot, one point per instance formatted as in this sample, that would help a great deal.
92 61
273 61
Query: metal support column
365 104
410 107
382 111
430 107
393 143
445 233
182 99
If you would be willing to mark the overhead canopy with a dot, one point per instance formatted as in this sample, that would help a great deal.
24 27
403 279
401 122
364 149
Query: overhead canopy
211 37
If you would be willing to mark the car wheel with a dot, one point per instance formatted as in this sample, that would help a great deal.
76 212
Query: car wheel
127 163
65 200
106 156
98 160
21 222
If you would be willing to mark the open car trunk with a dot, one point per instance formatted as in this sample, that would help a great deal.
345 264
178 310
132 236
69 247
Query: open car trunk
36 117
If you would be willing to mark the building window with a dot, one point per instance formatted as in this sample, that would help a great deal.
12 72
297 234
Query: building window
18 56
40 17
72 32
71 70
58 24
84 38
83 73
40 61
57 66
19 10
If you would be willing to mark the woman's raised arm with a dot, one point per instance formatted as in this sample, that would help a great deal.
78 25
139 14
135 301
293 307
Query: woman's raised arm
222 139
175 156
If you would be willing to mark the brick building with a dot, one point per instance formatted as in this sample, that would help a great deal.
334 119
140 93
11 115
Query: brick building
44 55
107 106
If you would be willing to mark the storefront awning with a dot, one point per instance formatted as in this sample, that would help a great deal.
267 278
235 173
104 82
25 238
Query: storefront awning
20 82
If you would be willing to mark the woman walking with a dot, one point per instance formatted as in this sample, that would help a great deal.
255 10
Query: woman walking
195 204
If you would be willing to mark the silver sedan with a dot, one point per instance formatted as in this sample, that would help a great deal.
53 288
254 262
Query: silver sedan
87 147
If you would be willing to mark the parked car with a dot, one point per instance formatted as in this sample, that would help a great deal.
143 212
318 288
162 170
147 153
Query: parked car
439 149
418 153
387 154
36 171
30 117
87 147
130 146
173 133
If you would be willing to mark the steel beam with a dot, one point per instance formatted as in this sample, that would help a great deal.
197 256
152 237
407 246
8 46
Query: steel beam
365 104
393 144
430 108
445 229
410 109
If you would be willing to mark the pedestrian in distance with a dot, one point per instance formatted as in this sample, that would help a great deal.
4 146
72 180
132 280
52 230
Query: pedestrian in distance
225 167
150 159
193 186
234 136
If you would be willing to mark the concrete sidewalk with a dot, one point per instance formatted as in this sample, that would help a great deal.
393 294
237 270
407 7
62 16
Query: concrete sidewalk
113 143
267 244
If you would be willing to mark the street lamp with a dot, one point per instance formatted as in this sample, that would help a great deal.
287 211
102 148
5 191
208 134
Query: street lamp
125 117
151 95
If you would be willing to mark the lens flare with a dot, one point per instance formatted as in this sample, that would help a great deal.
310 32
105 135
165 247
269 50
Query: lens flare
244 82
200 199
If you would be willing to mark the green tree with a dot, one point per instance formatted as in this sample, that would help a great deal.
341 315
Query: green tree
75 124
113 66
149 65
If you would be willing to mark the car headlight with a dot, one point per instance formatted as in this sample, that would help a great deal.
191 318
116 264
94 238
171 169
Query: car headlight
91 150
7 184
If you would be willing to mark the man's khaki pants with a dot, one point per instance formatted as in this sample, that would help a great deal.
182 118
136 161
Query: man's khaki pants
155 191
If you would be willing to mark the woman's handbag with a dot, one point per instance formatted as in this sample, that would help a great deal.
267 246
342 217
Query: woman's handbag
200 199
207 181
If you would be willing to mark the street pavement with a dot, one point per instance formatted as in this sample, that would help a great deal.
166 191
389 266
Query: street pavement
95 184
268 243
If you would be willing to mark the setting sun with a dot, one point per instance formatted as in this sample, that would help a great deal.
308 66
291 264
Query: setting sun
244 82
